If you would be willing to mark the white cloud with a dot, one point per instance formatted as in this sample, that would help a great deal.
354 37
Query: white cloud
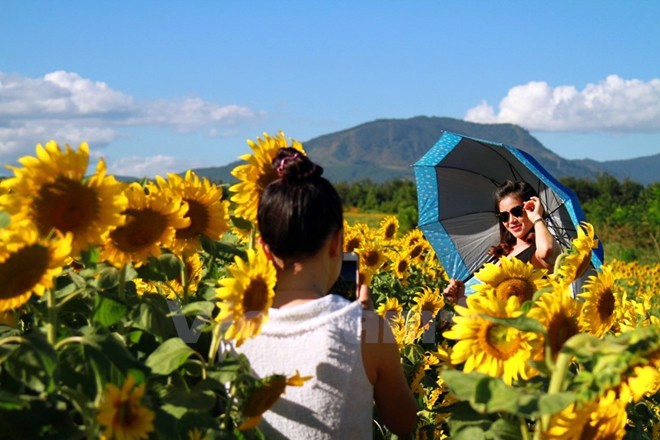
70 109
151 166
613 105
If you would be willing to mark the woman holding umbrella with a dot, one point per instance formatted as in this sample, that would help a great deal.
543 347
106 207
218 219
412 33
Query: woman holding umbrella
523 232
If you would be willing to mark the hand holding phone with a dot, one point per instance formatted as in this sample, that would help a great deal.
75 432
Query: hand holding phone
347 283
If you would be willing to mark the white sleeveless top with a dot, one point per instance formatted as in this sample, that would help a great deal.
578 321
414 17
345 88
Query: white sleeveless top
322 339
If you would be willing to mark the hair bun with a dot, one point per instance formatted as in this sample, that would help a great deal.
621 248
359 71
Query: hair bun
291 165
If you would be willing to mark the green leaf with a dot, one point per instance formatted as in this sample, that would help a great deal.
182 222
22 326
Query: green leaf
77 280
109 359
108 311
553 403
108 278
190 399
225 372
170 265
469 433
33 363
198 308
5 219
169 356
91 256
463 385
9 401
503 429
241 223
493 396
152 317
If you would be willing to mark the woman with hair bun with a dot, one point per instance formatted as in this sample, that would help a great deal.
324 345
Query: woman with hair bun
523 231
349 351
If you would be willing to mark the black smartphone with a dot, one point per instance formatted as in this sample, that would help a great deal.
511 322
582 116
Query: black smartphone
346 284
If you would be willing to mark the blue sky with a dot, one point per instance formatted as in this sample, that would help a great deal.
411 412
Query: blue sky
162 86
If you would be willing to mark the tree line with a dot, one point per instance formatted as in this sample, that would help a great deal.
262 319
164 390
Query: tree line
626 214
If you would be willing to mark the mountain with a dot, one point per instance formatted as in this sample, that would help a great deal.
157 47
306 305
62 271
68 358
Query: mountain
385 149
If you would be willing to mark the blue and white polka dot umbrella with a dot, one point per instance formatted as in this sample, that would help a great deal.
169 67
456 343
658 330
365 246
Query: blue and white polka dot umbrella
456 179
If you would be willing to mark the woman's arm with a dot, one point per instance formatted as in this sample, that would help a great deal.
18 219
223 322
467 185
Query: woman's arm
395 402
547 248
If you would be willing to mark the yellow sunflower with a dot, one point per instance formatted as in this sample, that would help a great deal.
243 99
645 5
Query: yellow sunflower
572 263
488 347
151 222
388 228
512 278
400 265
412 237
390 307
431 266
122 413
643 379
602 301
208 213
428 304
51 191
175 288
417 251
560 315
406 329
28 264
603 419
372 258
246 296
264 396
257 173
354 236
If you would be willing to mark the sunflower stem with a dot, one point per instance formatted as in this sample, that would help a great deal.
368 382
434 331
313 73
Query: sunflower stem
69 340
13 339
524 430
184 281
122 283
253 235
215 343
51 325
556 384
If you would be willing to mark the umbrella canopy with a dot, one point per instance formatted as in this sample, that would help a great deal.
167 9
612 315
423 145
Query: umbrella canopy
456 180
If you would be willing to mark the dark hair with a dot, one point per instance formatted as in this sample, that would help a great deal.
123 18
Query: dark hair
521 190
300 209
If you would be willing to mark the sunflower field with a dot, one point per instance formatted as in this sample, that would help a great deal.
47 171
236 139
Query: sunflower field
120 304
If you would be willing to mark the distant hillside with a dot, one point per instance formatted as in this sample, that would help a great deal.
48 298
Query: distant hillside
386 149
644 170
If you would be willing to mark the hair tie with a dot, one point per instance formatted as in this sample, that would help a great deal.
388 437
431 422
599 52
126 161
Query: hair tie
283 162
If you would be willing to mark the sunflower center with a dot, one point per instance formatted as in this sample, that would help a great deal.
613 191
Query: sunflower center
23 270
66 205
390 231
255 297
416 251
143 228
265 177
402 266
352 244
584 264
560 329
500 341
371 258
520 287
590 431
199 220
125 414
606 304
264 397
